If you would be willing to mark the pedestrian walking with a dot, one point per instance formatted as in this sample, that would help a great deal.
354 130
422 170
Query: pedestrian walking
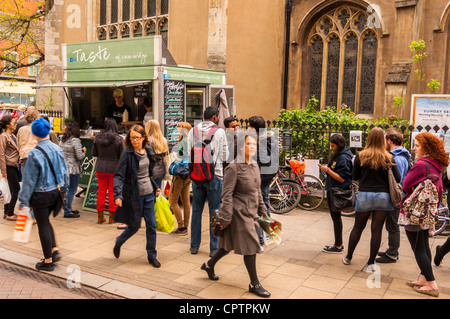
242 203
107 147
25 141
431 159
217 149
180 186
135 191
159 150
40 189
394 144
9 163
74 153
370 168
339 174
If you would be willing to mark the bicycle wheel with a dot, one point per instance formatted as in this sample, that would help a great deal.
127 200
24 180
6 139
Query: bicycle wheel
443 219
284 196
352 213
312 190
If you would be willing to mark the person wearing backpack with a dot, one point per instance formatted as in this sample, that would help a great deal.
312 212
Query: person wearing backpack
394 141
431 159
208 148
180 186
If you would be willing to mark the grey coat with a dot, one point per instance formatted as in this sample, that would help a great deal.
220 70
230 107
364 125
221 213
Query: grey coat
73 154
241 203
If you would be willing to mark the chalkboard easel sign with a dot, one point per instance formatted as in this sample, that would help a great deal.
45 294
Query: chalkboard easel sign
173 110
90 199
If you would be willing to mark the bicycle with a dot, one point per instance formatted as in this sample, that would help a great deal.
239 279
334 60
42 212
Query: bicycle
443 220
312 188
284 195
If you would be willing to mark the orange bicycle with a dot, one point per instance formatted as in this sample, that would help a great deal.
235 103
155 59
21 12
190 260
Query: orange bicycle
311 188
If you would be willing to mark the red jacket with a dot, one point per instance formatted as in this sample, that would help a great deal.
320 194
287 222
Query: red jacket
418 173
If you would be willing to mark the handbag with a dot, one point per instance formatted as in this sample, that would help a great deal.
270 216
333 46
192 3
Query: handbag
395 189
61 202
342 200
215 225
179 168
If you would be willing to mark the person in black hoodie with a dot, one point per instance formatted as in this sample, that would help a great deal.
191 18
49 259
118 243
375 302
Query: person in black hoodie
339 174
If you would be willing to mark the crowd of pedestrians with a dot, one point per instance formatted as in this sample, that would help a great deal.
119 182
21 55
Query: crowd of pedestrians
235 184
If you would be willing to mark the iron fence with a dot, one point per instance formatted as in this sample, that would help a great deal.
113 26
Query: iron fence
310 140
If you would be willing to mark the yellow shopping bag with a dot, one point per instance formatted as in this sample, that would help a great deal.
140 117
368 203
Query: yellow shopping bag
165 221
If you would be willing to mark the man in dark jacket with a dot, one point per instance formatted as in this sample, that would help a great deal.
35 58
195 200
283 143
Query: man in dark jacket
394 141
267 158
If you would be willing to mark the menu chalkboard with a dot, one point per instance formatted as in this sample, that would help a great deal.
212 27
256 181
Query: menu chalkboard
90 199
88 164
173 110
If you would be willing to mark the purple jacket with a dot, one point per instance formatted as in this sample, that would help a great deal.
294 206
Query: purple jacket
418 173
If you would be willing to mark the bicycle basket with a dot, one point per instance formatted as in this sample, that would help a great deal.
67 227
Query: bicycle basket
297 166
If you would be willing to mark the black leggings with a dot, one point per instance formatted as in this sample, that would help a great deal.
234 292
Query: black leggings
337 223
361 218
249 261
42 211
419 241
14 188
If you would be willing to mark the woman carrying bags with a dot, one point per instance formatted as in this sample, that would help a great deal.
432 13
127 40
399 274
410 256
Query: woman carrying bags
431 159
242 202
135 192
180 186
9 163
339 174
40 188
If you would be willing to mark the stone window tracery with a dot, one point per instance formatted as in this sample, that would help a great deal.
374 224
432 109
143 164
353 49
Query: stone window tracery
343 56
133 18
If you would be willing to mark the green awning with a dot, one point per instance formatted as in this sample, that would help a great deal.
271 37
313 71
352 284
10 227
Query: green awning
91 84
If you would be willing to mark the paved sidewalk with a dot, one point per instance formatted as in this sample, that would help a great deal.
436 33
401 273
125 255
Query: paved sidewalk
296 269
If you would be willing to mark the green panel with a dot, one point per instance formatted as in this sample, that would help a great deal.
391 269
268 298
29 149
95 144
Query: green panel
117 74
194 75
111 53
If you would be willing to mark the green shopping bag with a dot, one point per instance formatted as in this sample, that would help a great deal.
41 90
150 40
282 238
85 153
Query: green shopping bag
165 221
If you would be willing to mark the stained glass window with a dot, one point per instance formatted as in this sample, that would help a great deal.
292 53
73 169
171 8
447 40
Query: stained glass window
334 53
315 79
343 31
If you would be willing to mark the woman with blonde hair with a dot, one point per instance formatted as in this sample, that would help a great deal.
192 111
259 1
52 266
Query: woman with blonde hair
180 186
159 150
371 168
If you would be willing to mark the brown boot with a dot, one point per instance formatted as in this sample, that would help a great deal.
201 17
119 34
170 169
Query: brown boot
101 218
111 218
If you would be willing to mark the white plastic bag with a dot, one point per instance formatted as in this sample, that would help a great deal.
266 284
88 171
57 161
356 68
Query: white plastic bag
24 223
5 194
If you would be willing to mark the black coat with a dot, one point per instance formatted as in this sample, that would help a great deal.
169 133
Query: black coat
107 152
126 187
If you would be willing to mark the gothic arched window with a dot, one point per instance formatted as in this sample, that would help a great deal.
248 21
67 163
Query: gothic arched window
343 56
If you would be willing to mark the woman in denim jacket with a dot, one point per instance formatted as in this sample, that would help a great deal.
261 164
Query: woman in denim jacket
40 189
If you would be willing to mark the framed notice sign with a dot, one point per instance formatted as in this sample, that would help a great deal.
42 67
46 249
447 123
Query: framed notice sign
430 109
173 109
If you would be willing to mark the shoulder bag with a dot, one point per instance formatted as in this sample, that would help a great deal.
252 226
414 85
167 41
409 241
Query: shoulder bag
61 191
395 189
342 200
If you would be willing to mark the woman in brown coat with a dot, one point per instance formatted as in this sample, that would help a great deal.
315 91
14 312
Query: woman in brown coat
241 203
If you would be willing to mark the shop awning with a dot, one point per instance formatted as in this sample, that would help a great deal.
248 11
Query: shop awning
91 84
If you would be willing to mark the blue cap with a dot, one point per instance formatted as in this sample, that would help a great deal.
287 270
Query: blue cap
40 127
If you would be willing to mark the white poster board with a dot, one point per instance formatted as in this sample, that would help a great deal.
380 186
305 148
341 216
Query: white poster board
430 109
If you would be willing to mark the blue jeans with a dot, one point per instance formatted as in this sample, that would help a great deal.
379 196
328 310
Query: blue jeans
265 190
73 186
147 203
212 192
